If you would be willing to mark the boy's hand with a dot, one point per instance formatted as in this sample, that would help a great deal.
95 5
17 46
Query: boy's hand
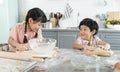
101 43
102 47
89 48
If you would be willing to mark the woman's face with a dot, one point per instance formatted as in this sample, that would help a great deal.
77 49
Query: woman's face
35 26
85 32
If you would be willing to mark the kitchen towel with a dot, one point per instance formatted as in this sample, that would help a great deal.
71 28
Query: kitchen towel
68 11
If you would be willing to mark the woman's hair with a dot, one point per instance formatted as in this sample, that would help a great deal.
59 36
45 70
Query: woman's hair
90 23
37 15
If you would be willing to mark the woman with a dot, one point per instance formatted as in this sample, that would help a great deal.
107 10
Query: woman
21 33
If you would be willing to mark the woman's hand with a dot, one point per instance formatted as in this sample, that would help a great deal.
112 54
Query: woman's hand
22 47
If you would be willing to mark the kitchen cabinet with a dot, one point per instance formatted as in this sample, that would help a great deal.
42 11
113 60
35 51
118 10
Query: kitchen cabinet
66 37
50 34
112 37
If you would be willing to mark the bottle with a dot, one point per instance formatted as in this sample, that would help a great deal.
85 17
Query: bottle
50 25
53 19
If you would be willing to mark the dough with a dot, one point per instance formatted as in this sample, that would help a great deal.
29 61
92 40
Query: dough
98 51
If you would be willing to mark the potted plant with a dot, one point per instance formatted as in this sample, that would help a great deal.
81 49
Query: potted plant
102 18
113 24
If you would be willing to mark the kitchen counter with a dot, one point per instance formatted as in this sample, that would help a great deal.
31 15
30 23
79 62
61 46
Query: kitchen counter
77 29
11 65
66 60
70 60
66 37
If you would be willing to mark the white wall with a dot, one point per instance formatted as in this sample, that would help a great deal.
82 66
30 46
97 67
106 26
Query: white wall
8 17
86 8
13 12
4 26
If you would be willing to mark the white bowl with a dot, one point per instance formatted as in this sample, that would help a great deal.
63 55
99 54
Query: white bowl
46 45
113 26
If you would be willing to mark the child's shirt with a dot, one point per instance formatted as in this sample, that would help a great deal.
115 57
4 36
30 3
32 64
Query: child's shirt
17 33
93 42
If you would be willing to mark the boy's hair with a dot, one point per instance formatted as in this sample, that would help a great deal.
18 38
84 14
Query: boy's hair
37 15
90 23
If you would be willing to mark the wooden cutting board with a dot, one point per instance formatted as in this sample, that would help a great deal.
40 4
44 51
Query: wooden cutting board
28 55
14 55
114 15
23 55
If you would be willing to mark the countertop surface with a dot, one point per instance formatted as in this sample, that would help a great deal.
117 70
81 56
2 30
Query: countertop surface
11 65
77 29
66 60
70 60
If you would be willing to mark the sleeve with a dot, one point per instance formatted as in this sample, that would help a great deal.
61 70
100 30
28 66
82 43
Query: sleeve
107 45
98 39
78 40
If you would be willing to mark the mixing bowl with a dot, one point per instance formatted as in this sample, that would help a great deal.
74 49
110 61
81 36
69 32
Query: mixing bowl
46 45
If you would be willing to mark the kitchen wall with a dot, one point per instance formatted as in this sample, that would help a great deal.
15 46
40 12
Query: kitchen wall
8 18
4 26
85 8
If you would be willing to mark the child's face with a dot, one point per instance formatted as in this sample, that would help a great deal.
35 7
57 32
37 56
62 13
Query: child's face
85 32
35 25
